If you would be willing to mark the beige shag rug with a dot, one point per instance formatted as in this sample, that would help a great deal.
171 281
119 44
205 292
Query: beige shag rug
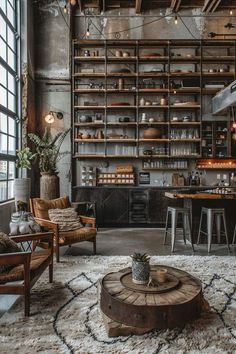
66 318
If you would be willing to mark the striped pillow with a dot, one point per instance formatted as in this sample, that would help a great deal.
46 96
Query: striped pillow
67 219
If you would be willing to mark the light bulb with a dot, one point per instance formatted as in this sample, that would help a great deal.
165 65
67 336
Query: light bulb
49 118
65 9
176 20
73 2
87 33
234 125
231 12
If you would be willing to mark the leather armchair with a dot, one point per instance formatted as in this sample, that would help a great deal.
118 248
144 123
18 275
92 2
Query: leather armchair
27 266
63 238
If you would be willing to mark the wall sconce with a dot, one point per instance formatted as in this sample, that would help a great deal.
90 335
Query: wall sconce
50 117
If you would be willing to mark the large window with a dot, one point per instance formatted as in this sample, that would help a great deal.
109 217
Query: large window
9 93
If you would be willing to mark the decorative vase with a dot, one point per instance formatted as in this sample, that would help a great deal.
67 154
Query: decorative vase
49 186
22 191
140 272
152 133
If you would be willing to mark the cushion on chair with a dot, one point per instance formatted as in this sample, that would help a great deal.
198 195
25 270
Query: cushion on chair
67 219
83 234
7 246
39 261
41 206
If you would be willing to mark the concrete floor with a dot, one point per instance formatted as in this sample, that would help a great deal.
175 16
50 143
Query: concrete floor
128 240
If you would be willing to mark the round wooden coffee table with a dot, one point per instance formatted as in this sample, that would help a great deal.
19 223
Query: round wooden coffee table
131 308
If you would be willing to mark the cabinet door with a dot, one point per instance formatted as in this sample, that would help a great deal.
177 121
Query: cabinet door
158 205
116 206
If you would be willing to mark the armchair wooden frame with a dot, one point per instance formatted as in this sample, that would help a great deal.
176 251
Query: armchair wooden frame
54 227
44 240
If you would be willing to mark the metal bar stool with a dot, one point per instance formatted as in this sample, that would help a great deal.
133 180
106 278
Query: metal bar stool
234 236
213 214
186 224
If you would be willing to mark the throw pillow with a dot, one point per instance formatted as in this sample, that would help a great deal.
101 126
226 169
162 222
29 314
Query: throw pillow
67 219
7 246
41 206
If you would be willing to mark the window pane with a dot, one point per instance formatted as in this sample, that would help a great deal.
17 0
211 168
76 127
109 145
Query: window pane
11 171
3 49
3 170
3 96
3 27
11 102
11 59
11 146
3 143
3 123
11 126
10 190
3 6
3 76
3 191
10 14
10 38
11 83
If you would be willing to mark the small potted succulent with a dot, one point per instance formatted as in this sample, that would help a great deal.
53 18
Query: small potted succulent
140 268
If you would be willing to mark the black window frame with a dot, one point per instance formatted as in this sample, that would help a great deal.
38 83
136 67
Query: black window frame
15 114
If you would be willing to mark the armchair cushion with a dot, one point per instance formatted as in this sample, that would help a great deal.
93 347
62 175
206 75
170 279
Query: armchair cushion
39 260
7 246
67 219
82 234
41 206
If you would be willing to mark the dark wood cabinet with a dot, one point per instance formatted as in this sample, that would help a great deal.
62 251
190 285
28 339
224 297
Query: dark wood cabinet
120 207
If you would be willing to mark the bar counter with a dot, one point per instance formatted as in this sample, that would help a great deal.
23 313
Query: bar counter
218 198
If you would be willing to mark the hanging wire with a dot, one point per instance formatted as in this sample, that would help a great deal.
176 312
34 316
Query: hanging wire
62 14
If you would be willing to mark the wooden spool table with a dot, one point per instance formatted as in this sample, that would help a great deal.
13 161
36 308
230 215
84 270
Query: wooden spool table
129 308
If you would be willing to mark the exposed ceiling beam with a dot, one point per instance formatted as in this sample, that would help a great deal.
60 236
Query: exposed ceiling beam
138 6
175 5
211 5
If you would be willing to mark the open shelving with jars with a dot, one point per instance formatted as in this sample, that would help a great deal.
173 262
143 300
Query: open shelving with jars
146 99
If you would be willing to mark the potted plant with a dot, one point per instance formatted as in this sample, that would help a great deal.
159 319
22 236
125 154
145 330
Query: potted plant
140 268
48 154
22 185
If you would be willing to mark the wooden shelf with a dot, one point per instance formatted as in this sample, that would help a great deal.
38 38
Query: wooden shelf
91 108
198 60
142 140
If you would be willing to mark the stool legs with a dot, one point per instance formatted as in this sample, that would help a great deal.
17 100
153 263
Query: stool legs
226 232
218 227
173 229
188 219
209 229
233 242
166 228
199 230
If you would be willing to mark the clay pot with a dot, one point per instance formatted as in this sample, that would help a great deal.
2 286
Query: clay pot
152 133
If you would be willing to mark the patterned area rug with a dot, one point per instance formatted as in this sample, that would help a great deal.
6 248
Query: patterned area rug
66 319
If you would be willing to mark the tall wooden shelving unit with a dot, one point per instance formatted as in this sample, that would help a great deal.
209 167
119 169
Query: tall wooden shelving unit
196 57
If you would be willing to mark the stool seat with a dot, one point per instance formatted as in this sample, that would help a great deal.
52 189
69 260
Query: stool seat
213 214
174 212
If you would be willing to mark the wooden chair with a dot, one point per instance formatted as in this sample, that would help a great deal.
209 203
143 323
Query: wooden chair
63 238
28 266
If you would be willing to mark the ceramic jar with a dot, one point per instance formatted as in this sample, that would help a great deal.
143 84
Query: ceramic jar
152 133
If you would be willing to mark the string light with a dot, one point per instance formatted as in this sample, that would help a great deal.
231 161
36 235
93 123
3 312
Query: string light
176 20
88 32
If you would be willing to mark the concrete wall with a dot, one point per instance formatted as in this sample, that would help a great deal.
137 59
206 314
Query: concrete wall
52 58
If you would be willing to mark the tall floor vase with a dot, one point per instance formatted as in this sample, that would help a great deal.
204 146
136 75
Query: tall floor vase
49 186
22 191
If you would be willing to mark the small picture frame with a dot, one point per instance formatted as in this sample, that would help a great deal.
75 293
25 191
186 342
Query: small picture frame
144 177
